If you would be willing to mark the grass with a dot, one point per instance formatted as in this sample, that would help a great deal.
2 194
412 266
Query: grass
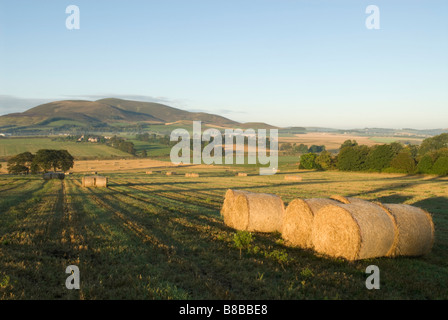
12 146
153 150
162 237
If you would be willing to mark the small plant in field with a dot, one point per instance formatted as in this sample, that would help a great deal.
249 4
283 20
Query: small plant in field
5 281
278 255
242 240
254 249
306 273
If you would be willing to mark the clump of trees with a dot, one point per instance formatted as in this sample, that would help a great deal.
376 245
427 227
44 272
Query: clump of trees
121 144
154 138
293 148
431 157
43 161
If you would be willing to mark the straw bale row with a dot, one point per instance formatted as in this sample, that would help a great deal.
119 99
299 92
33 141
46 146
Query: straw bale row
338 226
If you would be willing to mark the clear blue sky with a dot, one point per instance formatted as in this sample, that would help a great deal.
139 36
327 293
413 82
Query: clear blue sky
285 62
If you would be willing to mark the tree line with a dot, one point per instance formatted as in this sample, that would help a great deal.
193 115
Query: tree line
43 161
431 157
293 148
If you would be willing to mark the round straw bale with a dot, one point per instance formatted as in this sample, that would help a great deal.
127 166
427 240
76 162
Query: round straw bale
293 178
100 181
148 172
298 220
88 181
192 175
340 199
242 174
257 212
415 230
226 210
353 231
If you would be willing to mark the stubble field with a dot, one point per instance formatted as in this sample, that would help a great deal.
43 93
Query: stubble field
162 237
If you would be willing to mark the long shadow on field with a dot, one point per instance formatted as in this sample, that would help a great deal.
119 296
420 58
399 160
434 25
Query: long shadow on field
434 205
15 198
129 184
391 187
395 198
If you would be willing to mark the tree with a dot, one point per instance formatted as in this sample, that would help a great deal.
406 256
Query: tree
144 153
308 161
397 147
403 162
47 159
348 143
66 160
425 164
301 148
379 157
433 144
20 163
441 166
285 146
353 158
325 161
316 149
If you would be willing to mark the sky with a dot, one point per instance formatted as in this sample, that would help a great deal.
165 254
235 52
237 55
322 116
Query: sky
283 62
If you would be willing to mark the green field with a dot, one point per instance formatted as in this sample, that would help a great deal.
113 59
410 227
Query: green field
162 237
153 149
12 146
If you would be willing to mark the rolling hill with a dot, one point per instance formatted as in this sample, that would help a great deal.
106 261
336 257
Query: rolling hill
103 113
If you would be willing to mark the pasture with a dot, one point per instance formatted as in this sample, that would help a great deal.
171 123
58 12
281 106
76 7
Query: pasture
162 237
13 146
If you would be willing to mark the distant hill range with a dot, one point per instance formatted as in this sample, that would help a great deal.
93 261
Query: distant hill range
118 115
115 113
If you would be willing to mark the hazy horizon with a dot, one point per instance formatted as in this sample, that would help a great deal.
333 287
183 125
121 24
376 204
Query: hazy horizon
286 63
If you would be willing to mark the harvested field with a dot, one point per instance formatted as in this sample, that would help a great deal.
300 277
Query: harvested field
162 237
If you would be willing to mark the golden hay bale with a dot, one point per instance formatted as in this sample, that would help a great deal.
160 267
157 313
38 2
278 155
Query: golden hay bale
242 174
293 178
94 181
254 212
298 220
415 230
149 172
226 210
340 199
88 181
170 173
100 181
353 231
192 175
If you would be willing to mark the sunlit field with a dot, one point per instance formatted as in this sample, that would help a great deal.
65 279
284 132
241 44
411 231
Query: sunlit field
162 237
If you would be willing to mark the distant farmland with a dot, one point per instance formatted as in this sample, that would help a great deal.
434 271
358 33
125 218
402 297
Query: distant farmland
333 141
12 146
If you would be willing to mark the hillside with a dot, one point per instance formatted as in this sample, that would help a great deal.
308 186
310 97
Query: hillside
104 113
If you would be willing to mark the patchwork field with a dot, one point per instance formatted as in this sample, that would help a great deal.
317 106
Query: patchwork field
13 146
162 237
333 141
